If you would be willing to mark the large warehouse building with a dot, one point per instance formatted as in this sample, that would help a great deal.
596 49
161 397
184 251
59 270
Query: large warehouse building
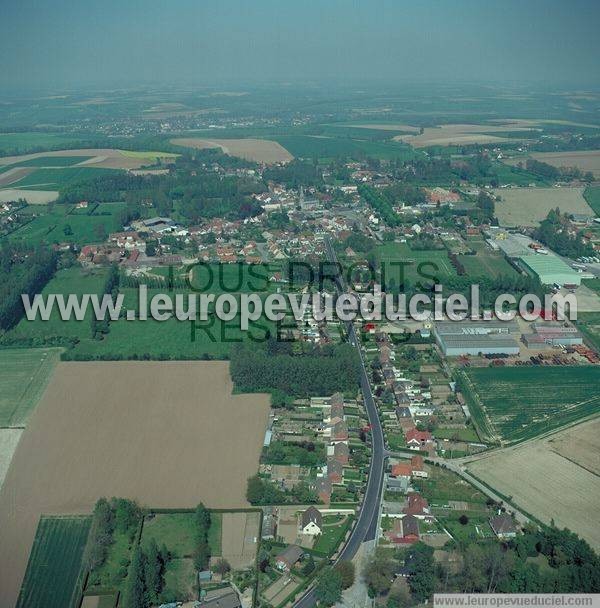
550 269
456 338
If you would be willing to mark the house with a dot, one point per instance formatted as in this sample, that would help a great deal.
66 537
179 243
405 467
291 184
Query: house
397 484
418 506
418 466
288 558
417 440
341 453
402 469
503 526
323 489
311 522
335 471
405 530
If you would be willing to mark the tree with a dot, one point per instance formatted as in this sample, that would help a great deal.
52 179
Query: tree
379 574
135 590
346 570
222 567
154 569
463 519
328 590
420 563
309 566
67 230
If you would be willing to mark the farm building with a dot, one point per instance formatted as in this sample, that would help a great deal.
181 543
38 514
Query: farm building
288 557
477 337
552 333
550 269
503 526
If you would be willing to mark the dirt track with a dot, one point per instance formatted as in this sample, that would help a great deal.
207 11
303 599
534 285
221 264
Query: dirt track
169 434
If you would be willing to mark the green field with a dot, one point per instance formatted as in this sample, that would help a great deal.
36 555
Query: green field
24 374
52 225
51 579
21 143
130 339
55 179
416 265
485 263
592 196
511 404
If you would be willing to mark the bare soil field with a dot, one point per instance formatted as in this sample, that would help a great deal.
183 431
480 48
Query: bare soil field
107 158
586 160
529 206
581 444
447 135
550 484
9 439
33 197
14 175
239 538
257 150
168 434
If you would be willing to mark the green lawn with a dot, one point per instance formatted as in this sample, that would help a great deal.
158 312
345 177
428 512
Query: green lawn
588 323
592 196
511 404
24 374
113 572
331 537
476 528
180 579
56 226
485 262
442 486
398 261
53 571
177 531
465 434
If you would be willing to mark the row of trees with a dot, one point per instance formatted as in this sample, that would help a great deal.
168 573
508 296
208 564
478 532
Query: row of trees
23 270
100 327
145 580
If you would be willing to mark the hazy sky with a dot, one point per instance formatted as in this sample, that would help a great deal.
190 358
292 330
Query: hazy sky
68 43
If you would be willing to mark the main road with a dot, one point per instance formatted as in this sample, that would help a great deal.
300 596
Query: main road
365 527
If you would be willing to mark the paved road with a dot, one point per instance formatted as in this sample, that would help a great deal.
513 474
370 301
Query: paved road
365 528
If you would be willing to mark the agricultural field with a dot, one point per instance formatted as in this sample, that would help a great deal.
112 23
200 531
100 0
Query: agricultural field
57 225
106 158
466 134
585 160
56 179
485 262
328 147
511 404
257 150
18 143
89 439
54 568
24 374
592 196
33 197
171 339
550 479
529 206
52 162
9 439
427 262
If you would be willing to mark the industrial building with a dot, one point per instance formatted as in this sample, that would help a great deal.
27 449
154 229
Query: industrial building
456 338
552 333
550 269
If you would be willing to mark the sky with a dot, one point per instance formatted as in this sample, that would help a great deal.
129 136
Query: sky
71 43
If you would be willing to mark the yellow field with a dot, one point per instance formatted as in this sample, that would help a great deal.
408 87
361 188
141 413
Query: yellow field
555 478
256 150
529 206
